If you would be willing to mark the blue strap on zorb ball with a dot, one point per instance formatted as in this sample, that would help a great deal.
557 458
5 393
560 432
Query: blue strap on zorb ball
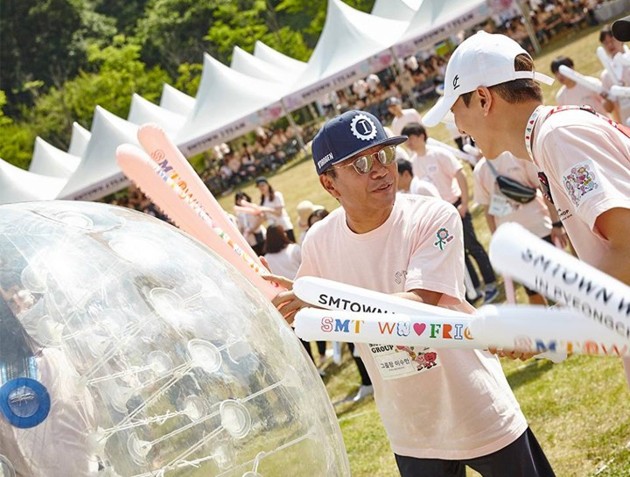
24 402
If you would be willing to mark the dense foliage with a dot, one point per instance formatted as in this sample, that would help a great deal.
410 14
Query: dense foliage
61 58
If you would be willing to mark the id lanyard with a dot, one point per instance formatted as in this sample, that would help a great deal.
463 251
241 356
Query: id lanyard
24 400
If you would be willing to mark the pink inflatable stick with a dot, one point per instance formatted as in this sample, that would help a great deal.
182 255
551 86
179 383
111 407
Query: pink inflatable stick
173 163
188 214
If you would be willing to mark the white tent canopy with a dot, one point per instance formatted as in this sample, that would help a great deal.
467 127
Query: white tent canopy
396 9
50 161
18 185
79 139
176 101
248 64
352 45
98 174
228 104
274 57
436 20
143 111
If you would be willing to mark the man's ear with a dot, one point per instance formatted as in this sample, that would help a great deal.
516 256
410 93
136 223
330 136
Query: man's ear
328 183
485 99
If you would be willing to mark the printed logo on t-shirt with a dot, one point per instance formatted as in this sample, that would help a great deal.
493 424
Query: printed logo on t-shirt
579 180
443 238
400 276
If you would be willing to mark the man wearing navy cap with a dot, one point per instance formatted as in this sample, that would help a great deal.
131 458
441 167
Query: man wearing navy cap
442 409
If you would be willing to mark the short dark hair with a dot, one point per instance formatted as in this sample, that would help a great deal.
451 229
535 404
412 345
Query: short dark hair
404 165
276 239
240 196
318 214
415 129
518 90
606 31
559 61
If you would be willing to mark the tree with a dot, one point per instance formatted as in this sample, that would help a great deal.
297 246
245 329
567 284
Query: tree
172 32
118 73
45 41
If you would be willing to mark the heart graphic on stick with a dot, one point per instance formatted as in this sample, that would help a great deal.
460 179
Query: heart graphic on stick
419 328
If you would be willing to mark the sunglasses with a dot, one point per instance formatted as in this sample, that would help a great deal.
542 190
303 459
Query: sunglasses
363 164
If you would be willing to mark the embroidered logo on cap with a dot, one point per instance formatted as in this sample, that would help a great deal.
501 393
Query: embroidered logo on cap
363 127
456 82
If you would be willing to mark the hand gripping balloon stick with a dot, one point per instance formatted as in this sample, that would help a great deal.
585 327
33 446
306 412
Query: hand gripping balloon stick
174 165
188 214
516 252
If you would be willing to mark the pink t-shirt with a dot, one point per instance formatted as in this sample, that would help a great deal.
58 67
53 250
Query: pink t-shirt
460 407
587 164
439 167
534 216
580 95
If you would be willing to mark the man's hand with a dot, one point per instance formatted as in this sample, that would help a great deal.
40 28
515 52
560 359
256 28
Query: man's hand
287 303
511 354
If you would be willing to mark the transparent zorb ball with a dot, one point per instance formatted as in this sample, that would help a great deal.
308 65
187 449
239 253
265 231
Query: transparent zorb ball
129 349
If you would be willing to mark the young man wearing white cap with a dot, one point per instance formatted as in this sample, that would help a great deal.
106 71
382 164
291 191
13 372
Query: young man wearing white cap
442 409
583 157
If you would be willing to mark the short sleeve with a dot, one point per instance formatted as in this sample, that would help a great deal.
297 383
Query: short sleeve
482 194
437 259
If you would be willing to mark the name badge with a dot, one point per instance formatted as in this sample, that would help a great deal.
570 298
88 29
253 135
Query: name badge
500 206
395 362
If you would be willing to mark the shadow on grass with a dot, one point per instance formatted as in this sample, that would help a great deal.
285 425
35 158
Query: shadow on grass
528 372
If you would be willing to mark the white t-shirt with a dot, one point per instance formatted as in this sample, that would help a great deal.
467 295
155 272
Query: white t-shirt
423 187
623 72
438 166
408 116
272 219
534 216
460 408
580 95
285 262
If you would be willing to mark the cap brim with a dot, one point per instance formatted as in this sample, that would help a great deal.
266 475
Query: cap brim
439 111
390 141
621 29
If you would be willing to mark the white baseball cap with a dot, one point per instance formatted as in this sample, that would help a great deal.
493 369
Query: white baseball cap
483 59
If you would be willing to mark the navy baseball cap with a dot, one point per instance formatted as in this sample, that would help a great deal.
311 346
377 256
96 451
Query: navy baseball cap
348 135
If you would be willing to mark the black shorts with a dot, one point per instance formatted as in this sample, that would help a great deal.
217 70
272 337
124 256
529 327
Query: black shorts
521 458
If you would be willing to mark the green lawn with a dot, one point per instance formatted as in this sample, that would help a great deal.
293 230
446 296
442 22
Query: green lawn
579 409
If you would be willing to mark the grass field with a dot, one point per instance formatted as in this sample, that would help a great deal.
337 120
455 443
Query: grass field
579 409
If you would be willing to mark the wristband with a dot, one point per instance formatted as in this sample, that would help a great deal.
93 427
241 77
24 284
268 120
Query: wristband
557 224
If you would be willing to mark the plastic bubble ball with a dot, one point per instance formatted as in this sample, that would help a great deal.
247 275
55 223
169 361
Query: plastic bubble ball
129 349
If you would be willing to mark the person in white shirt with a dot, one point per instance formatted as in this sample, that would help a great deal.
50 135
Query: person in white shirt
618 73
272 204
410 184
574 93
402 117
